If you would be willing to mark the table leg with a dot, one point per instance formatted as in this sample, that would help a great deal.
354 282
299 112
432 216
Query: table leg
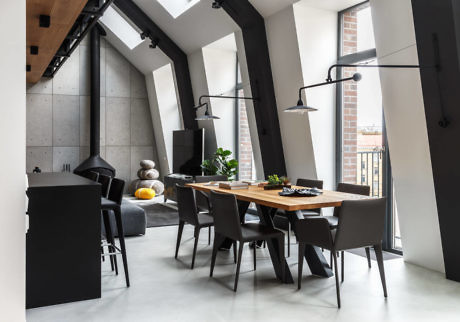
242 209
275 247
313 255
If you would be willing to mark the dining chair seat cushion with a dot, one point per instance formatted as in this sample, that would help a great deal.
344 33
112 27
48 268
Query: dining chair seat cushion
253 231
205 219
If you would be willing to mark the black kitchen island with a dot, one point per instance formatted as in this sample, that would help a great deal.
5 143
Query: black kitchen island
63 256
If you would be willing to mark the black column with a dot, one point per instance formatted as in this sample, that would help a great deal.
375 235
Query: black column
439 20
252 25
177 55
95 111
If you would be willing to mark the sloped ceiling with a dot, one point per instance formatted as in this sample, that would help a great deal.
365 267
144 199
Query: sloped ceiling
200 26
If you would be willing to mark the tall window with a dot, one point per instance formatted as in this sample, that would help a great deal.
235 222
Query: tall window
362 148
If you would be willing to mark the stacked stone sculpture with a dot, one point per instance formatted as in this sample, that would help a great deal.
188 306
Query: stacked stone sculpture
148 178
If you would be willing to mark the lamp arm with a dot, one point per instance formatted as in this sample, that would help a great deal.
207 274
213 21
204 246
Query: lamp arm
329 77
222 96
324 83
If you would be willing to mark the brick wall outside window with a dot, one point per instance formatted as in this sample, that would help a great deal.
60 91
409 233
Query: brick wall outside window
350 101
245 145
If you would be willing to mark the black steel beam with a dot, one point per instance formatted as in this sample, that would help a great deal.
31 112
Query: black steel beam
173 51
440 20
252 25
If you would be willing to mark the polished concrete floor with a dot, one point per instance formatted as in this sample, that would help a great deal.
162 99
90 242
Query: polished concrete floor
165 289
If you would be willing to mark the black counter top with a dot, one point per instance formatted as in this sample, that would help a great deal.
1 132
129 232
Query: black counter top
59 179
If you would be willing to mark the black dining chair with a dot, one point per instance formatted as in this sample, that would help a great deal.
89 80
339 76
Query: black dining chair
281 219
113 203
334 219
202 198
91 175
105 185
361 225
227 225
188 213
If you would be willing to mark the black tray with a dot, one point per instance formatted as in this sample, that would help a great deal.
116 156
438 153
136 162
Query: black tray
313 192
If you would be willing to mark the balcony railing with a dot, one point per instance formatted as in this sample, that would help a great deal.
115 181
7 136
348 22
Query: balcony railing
370 170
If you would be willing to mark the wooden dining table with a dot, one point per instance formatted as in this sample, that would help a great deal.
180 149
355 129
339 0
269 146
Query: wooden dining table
267 203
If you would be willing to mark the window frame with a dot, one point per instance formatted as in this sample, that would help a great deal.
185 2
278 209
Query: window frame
387 188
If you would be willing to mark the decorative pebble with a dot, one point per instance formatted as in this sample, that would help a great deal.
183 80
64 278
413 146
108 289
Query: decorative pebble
147 164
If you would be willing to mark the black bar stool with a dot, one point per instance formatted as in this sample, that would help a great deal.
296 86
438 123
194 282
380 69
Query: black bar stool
113 202
105 185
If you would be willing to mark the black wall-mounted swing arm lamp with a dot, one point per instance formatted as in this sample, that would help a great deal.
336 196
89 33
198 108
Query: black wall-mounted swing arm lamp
207 115
300 107
444 121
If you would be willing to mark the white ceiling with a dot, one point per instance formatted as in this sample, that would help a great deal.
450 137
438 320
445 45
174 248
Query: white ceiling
334 5
142 57
200 26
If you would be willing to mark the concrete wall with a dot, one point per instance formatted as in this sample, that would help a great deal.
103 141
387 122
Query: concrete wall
407 133
58 115
12 162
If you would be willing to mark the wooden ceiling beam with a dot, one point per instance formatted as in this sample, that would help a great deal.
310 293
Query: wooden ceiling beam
63 15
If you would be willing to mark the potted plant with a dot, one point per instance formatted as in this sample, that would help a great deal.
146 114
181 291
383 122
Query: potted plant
221 164
275 182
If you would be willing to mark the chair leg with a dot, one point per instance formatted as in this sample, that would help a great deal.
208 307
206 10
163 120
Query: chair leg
300 264
234 251
255 257
343 265
121 238
331 263
197 236
214 254
289 240
179 236
379 256
102 253
110 240
240 253
337 286
209 235
368 255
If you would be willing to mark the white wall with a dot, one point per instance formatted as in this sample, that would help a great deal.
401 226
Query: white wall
165 113
221 77
317 37
258 165
287 78
407 133
200 87
13 160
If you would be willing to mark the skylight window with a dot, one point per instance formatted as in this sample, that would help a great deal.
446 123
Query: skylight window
121 28
177 7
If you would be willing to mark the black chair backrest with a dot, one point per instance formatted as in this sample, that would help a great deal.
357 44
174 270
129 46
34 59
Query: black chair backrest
310 183
105 184
186 204
201 201
116 190
361 223
352 188
91 175
226 216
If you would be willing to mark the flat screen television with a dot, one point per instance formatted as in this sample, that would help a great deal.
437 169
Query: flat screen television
188 151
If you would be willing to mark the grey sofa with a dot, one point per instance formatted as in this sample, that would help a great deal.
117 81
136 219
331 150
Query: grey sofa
133 218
